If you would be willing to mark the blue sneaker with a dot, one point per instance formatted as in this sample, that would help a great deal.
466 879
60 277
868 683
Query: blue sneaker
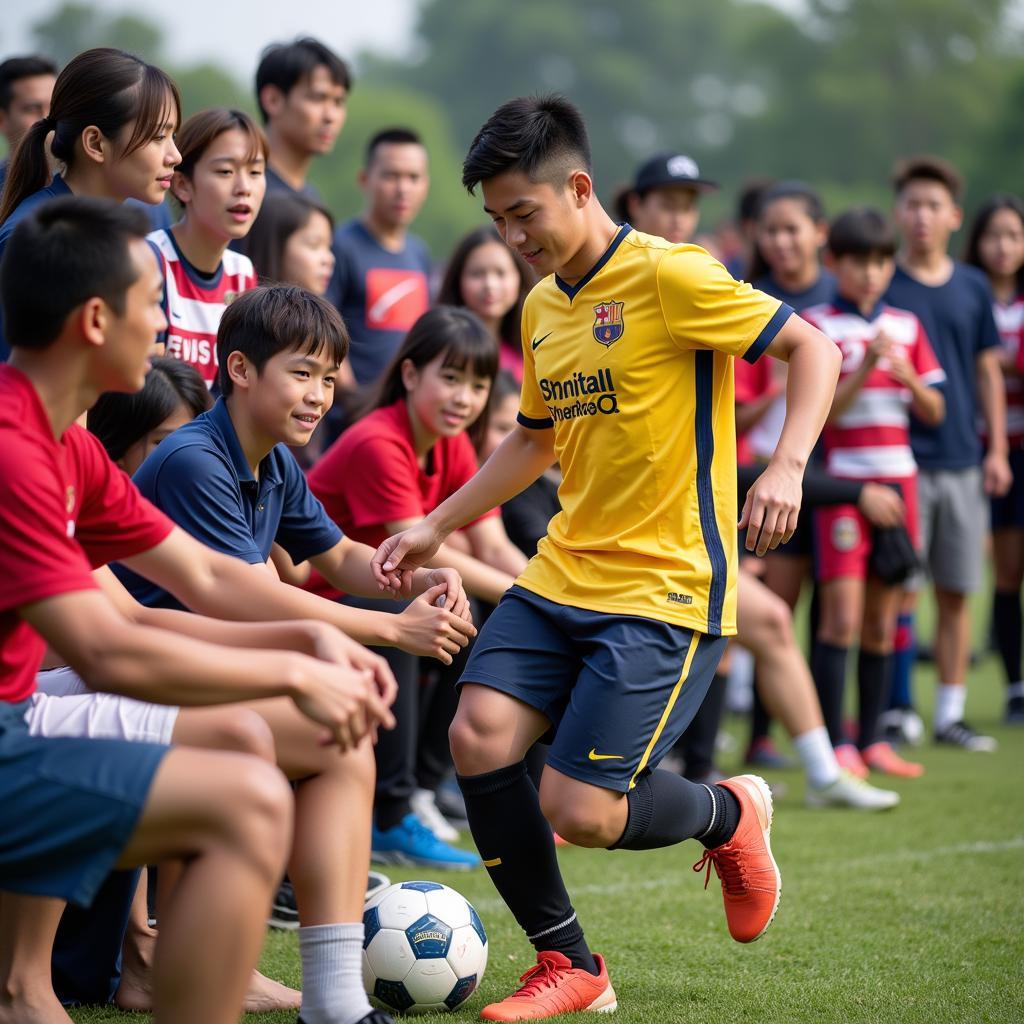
411 842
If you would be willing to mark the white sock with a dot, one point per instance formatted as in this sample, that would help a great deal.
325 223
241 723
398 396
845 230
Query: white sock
817 756
1016 689
332 974
949 705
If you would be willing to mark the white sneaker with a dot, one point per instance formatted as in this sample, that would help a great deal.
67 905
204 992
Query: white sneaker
424 807
849 791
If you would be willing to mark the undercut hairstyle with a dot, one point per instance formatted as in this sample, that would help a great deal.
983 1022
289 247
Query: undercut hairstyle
286 64
796 190
543 137
389 137
862 231
280 216
278 318
14 69
928 168
121 420
108 88
64 253
980 224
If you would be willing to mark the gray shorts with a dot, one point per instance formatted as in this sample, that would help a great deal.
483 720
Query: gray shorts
953 513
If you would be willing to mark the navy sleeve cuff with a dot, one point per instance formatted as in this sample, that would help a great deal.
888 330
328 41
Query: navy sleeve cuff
531 424
764 339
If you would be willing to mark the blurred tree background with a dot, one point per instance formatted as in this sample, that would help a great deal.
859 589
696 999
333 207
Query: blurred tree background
832 95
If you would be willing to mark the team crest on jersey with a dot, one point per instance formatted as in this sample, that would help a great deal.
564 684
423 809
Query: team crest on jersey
230 297
845 533
608 325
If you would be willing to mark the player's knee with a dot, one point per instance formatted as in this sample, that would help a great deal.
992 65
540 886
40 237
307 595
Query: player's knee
359 768
259 820
473 744
245 731
877 635
575 822
839 626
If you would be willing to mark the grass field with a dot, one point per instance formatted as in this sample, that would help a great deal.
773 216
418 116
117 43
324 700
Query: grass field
915 917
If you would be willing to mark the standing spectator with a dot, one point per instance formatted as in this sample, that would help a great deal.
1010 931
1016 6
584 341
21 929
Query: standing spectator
380 282
996 245
26 84
302 89
954 302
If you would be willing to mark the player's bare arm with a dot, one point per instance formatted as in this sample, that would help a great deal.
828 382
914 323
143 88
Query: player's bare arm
773 502
848 388
996 472
927 402
518 461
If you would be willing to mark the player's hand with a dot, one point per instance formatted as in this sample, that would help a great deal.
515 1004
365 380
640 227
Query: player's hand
879 347
405 552
881 505
331 644
455 598
900 368
431 631
996 475
771 509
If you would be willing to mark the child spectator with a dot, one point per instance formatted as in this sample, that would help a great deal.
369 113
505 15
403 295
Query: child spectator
484 275
996 246
888 371
219 185
394 465
954 303
26 84
380 283
290 243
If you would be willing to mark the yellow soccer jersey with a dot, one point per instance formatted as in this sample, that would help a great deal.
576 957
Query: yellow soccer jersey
633 367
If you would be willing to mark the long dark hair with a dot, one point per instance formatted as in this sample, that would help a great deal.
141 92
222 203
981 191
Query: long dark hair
798 190
458 334
120 420
988 209
451 287
281 215
106 88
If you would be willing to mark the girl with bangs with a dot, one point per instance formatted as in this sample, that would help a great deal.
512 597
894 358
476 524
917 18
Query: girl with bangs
110 129
219 185
399 462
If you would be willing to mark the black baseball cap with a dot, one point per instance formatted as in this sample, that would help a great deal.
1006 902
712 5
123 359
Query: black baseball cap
671 169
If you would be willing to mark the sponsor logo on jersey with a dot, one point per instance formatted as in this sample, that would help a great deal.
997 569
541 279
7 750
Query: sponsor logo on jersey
674 598
608 325
589 394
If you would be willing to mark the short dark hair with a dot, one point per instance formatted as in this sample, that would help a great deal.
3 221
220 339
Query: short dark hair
65 252
16 68
541 136
278 318
121 420
390 137
280 216
862 231
287 64
928 168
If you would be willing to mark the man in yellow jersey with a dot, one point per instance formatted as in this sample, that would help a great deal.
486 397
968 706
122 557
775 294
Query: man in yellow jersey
609 639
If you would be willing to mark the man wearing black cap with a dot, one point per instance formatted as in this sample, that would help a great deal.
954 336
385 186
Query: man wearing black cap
663 199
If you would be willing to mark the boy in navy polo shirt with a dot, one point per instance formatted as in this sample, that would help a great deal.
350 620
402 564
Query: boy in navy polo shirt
380 282
954 303
82 300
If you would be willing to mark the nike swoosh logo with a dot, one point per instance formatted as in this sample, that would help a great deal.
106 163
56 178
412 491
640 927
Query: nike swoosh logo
390 298
539 341
595 756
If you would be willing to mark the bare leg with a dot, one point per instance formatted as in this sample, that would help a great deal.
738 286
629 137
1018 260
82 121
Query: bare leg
28 925
133 991
952 637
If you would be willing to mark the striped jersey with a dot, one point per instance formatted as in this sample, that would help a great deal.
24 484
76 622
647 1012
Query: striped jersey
871 439
632 369
195 302
1010 321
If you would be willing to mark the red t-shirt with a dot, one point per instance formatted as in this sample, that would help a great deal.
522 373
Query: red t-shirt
371 476
65 509
752 380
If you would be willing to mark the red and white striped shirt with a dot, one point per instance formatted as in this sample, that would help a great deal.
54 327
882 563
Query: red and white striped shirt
194 304
871 439
1010 321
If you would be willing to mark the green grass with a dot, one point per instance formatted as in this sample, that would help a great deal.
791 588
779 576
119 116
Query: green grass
915 917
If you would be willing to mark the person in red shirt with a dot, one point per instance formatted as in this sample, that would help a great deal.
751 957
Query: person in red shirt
384 473
81 297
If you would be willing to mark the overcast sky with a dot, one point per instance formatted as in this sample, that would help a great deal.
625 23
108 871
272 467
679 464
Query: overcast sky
234 33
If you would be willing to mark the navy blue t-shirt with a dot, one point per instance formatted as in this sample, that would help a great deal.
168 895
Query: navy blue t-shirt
199 476
823 290
275 183
379 293
957 317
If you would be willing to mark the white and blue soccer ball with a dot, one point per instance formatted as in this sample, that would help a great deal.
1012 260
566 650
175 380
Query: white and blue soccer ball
425 948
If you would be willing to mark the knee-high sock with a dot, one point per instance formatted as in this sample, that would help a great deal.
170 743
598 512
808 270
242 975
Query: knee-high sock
874 676
518 850
828 667
903 654
1006 614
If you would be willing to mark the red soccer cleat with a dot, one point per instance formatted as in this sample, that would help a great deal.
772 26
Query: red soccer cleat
554 987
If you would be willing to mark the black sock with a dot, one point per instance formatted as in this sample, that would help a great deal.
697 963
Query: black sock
874 681
698 742
518 850
760 720
1006 616
664 809
828 666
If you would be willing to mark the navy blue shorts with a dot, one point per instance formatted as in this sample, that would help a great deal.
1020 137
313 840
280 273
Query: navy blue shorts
69 807
619 690
1008 511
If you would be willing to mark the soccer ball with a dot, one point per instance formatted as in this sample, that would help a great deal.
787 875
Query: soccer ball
425 948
